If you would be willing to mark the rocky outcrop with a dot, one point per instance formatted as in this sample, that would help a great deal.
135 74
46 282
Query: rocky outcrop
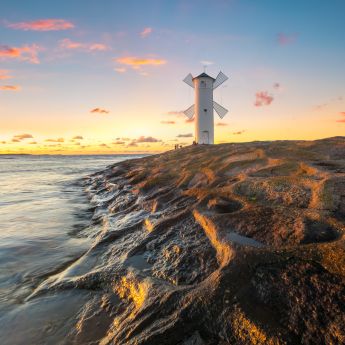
225 244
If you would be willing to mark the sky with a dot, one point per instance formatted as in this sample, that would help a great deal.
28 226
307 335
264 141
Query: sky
86 77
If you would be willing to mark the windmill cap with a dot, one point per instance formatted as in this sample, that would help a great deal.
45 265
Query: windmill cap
203 75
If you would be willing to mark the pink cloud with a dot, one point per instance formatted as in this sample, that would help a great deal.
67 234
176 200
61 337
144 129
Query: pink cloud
146 32
25 53
342 120
4 74
10 87
120 69
98 46
285 39
263 98
43 25
66 43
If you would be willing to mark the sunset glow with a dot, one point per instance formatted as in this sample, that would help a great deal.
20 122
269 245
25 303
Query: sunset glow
106 77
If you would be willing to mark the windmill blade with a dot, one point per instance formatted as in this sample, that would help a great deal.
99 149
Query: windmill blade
221 78
221 111
189 112
189 80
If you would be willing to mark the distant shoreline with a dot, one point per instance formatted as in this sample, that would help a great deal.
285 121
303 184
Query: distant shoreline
82 154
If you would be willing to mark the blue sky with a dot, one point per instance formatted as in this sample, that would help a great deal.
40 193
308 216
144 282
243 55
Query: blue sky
289 53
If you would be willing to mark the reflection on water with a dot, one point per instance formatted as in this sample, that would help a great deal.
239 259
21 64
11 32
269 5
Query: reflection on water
44 219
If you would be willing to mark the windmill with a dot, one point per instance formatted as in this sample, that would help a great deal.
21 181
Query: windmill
204 85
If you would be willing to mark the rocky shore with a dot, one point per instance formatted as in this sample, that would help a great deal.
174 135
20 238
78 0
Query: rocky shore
224 244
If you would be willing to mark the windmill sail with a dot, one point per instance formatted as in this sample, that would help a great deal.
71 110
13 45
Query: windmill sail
189 112
189 80
221 111
221 78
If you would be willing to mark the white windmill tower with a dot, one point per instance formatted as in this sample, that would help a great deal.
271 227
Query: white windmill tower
204 85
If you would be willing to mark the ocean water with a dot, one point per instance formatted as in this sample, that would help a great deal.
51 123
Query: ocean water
44 216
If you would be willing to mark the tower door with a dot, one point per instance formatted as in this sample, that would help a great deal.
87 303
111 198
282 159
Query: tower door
205 137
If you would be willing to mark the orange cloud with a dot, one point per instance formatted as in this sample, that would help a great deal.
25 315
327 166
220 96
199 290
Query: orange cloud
25 53
4 74
15 140
104 145
118 142
3 142
58 140
33 143
69 44
99 111
10 87
221 124
43 25
189 120
143 139
146 32
78 137
177 113
188 135
168 122
263 98
137 62
23 136
239 132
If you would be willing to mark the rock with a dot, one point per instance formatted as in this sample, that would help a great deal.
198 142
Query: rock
222 244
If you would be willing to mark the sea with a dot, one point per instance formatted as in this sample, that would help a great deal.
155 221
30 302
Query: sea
43 212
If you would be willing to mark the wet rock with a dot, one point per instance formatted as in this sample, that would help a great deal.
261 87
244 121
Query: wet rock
220 244
223 205
295 291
